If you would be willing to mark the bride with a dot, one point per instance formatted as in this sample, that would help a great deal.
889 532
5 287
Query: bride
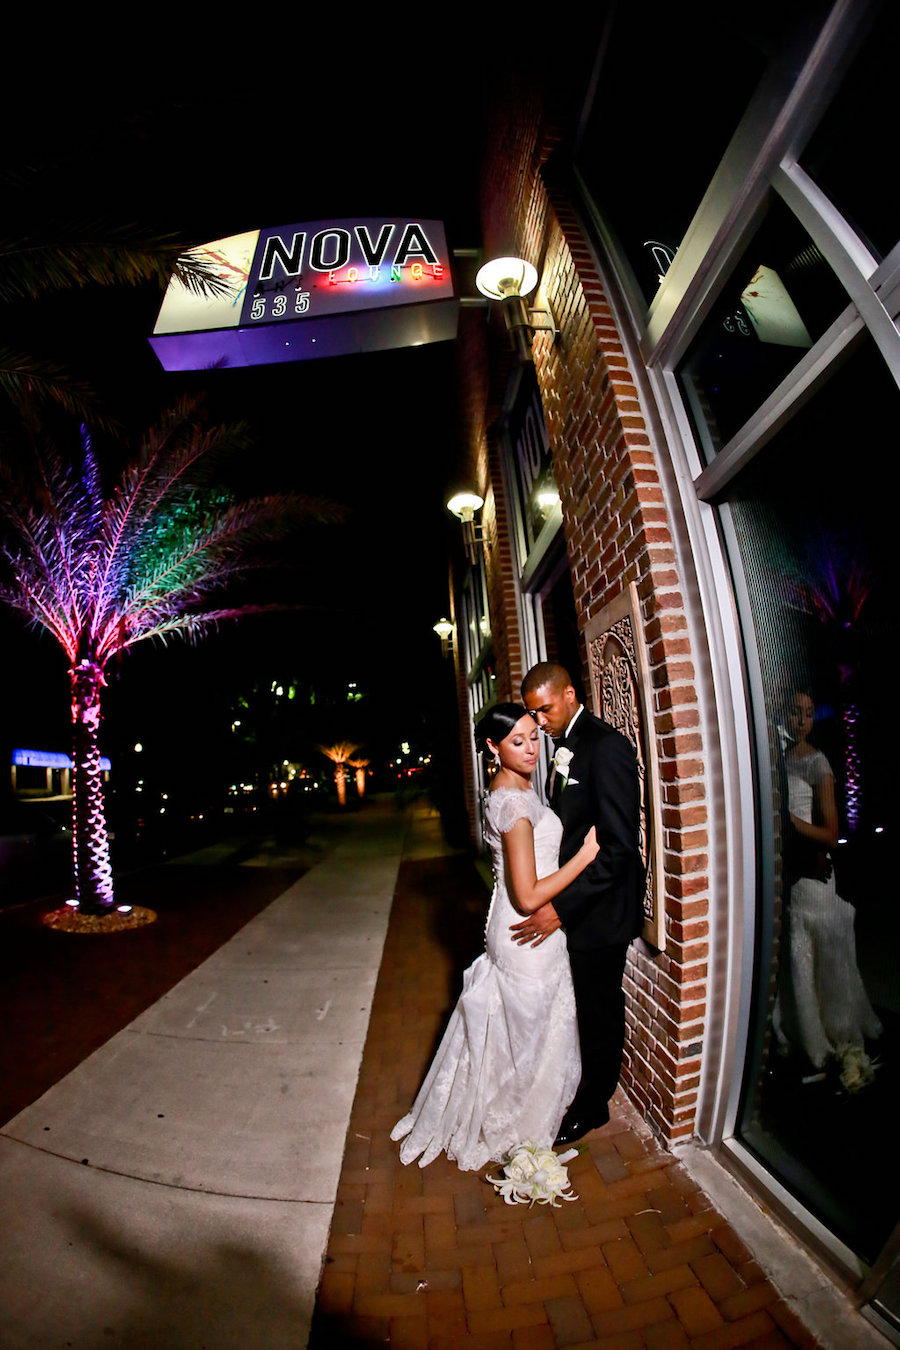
508 1064
822 1005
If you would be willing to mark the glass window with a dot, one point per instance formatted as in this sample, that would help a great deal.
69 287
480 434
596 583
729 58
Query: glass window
530 462
815 536
671 92
846 156
484 686
477 626
778 301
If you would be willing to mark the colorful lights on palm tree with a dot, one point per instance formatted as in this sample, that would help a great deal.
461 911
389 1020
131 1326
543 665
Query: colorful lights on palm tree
101 570
834 587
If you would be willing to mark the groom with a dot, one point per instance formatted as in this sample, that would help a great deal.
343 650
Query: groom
593 781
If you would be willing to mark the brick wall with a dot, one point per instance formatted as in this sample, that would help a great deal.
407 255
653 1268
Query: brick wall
617 529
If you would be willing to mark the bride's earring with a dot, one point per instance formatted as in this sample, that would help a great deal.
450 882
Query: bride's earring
496 760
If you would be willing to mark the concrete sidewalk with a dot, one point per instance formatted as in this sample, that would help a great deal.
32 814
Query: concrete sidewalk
183 1186
176 1189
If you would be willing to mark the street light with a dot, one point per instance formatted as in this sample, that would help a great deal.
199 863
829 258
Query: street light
444 630
510 280
464 505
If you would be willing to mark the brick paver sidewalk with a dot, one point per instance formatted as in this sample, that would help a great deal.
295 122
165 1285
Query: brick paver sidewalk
433 1258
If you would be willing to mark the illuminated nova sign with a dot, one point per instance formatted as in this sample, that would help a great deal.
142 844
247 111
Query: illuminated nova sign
324 288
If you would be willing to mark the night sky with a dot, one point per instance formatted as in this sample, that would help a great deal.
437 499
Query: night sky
208 145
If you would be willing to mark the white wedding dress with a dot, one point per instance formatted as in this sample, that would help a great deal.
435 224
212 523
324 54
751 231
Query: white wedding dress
508 1064
824 1007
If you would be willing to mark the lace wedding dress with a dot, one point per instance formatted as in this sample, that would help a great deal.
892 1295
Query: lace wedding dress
822 1005
508 1064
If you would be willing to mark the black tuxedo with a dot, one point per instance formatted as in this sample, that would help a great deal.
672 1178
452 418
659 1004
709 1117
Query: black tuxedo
603 905
601 911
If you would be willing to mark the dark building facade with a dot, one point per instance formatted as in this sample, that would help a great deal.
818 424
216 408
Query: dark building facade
687 501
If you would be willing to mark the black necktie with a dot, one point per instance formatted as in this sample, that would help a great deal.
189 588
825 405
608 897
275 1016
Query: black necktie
551 776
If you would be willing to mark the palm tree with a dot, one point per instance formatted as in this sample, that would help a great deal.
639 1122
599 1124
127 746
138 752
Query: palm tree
36 263
833 584
101 570
340 753
360 765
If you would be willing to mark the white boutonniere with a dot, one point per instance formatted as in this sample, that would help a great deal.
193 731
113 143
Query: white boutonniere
561 762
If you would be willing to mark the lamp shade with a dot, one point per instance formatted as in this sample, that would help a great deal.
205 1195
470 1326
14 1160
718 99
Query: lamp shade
465 504
506 276
443 628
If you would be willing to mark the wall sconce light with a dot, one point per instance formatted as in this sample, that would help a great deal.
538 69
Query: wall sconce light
547 499
510 280
464 505
444 630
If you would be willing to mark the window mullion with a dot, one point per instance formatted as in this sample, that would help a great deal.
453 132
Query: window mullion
848 257
779 406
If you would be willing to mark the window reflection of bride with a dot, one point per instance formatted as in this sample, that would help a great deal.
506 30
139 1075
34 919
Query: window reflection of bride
822 1007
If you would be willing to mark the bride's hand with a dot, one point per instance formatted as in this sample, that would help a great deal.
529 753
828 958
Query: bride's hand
590 848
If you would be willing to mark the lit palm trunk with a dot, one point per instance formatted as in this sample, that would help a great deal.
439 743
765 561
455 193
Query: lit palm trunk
360 765
340 755
853 775
93 870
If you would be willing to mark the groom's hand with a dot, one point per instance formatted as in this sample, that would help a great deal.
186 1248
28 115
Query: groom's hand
537 926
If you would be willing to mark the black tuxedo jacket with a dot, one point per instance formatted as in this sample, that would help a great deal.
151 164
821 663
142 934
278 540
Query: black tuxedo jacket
604 904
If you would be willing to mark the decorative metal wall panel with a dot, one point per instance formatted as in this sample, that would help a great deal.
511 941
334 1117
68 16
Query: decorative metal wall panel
621 693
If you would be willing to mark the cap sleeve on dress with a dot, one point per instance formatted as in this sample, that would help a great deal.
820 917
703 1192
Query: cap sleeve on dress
509 806
819 768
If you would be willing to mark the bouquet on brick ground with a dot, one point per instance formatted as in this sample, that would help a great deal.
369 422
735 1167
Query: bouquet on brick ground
533 1175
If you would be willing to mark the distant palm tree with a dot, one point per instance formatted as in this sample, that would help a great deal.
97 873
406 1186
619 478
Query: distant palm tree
340 753
360 765
101 570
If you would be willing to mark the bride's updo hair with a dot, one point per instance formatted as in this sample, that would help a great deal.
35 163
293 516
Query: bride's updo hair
497 723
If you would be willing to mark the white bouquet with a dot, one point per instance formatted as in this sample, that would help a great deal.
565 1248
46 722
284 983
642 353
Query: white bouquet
857 1070
534 1175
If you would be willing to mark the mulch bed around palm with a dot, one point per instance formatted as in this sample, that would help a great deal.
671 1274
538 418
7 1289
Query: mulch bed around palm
63 995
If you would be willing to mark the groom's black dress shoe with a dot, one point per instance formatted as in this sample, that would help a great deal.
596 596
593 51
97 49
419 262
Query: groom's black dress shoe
575 1125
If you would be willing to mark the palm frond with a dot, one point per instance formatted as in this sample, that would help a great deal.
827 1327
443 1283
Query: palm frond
29 381
207 555
103 570
193 626
103 255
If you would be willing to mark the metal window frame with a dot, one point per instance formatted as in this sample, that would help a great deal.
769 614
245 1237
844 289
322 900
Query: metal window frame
761 157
